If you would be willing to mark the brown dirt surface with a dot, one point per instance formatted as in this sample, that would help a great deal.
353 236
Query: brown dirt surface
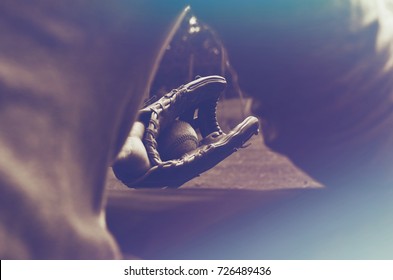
146 222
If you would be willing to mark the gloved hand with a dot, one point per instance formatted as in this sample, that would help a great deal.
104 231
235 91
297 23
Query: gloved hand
196 104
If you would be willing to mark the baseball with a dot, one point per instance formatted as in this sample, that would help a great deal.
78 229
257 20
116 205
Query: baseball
176 140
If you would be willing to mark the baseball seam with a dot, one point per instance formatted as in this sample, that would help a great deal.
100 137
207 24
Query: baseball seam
183 139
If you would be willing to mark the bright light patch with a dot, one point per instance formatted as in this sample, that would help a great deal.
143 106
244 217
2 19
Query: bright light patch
192 21
365 12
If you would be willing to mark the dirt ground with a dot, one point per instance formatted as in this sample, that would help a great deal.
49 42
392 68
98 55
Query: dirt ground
147 222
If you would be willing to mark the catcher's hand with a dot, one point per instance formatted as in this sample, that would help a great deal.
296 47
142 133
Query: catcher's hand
201 96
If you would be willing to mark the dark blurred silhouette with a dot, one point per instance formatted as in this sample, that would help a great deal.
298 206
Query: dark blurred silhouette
321 76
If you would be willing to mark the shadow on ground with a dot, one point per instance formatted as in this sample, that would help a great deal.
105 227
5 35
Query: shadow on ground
153 223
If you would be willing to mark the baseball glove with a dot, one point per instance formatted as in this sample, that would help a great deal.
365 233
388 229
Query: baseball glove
196 104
